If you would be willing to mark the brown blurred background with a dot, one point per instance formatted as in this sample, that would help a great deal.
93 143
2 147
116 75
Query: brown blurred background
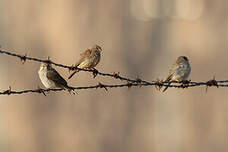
139 38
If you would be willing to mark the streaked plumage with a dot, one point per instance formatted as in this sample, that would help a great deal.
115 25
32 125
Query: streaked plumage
89 59
51 78
180 70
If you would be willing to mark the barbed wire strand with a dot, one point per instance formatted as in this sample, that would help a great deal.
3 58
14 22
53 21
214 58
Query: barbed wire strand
23 58
130 82
106 87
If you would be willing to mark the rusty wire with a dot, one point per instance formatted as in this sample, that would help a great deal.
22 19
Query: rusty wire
209 83
24 58
129 82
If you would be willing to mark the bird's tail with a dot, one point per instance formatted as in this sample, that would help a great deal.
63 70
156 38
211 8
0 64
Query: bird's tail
72 74
166 87
71 89
167 80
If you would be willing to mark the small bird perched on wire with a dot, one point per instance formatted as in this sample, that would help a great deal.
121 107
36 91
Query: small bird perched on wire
51 78
180 71
89 59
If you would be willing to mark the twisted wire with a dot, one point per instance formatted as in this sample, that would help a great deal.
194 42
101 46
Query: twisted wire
129 82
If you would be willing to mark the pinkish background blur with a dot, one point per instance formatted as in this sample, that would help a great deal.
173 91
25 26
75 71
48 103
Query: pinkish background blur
139 38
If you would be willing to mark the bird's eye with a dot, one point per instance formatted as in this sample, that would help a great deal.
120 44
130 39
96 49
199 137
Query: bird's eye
185 58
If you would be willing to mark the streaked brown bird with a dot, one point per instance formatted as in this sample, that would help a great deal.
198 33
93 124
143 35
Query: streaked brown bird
51 78
180 71
89 59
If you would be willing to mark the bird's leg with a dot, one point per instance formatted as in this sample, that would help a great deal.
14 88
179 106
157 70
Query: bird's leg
159 84
95 72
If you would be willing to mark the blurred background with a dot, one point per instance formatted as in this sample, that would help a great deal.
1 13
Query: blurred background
140 38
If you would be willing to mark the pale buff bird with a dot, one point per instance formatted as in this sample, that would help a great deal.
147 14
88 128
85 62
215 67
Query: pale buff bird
89 59
51 78
180 71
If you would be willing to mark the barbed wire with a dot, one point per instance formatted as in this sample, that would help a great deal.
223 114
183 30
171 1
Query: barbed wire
95 72
129 82
39 90
209 83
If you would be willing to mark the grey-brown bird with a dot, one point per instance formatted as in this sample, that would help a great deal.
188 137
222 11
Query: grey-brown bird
89 59
180 71
51 78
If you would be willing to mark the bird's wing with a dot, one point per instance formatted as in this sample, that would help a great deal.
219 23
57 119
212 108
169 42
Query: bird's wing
174 70
169 77
84 55
180 70
171 71
53 75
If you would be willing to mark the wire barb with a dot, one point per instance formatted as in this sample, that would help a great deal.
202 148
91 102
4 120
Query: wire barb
8 92
139 82
23 58
158 84
102 86
116 75
129 85
211 83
